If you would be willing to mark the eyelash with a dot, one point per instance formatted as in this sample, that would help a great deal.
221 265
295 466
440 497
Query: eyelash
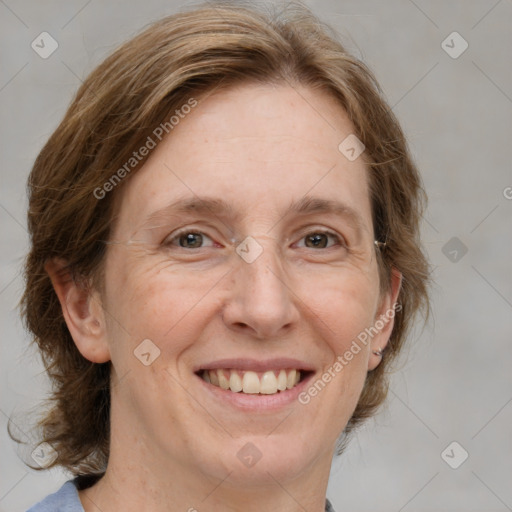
340 240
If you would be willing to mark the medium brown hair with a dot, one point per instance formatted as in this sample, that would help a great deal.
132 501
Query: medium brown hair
115 110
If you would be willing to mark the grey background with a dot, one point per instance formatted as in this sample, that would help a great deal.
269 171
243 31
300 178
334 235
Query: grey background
455 382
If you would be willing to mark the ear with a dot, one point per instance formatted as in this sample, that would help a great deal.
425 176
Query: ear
385 320
82 312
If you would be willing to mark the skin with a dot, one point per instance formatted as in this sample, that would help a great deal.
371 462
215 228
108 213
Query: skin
257 147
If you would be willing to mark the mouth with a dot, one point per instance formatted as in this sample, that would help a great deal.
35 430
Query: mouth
254 385
268 382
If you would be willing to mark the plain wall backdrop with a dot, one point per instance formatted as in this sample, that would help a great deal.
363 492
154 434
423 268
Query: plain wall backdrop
455 382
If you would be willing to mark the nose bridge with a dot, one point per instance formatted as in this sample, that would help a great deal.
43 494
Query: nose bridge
261 297
269 262
261 266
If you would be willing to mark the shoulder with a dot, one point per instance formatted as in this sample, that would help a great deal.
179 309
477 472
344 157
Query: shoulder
64 500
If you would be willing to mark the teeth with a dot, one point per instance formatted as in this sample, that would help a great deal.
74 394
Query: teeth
250 382
268 383
281 381
235 382
223 382
290 381
214 379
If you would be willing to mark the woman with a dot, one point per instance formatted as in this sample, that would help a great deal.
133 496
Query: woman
225 260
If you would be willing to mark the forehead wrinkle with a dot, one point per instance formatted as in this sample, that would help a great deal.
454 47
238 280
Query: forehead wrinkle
221 209
190 206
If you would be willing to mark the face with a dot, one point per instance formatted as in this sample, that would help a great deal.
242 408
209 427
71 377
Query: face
244 246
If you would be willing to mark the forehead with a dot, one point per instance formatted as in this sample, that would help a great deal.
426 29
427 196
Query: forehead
259 148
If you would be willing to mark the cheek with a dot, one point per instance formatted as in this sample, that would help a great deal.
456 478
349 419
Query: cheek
345 306
157 301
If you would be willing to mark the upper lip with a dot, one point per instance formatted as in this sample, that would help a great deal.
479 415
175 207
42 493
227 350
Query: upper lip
255 364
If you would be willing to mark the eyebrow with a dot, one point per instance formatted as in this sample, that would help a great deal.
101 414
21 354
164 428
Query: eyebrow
194 205
218 207
310 205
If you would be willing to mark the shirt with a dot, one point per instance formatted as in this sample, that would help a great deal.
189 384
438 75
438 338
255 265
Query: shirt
66 498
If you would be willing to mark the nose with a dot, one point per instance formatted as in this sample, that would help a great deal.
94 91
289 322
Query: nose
262 301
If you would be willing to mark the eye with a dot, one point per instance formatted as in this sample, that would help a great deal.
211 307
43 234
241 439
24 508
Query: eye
188 240
320 240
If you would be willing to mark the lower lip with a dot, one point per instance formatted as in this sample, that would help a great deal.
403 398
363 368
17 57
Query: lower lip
256 402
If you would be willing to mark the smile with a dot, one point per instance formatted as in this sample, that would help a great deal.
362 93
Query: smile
250 382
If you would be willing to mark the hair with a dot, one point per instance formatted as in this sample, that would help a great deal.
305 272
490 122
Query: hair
114 112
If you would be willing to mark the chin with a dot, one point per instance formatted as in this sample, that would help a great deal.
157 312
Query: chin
262 460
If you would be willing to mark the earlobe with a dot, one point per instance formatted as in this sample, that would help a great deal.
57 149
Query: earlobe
385 320
82 311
